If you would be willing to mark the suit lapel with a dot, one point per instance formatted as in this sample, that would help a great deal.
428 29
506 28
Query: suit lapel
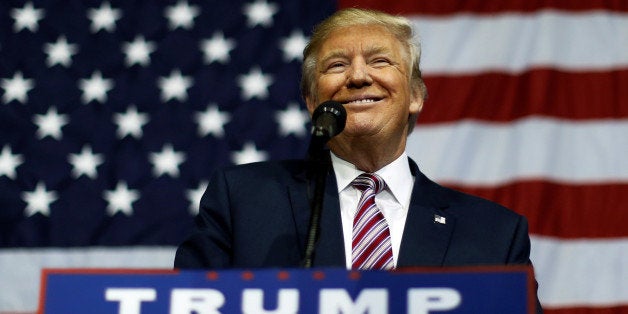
330 246
425 240
330 249
428 225
300 210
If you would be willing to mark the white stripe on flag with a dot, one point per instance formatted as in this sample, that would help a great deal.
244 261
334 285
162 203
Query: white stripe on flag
481 153
20 269
576 273
515 42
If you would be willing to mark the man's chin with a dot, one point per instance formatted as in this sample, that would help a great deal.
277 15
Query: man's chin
352 133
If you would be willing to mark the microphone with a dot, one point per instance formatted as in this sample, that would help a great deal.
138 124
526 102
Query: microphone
328 120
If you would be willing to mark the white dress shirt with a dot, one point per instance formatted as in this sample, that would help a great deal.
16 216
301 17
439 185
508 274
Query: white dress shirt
393 201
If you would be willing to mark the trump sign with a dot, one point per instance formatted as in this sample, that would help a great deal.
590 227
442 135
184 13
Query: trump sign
469 290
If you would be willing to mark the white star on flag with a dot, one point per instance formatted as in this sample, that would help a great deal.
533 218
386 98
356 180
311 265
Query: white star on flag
104 17
167 161
174 86
248 154
130 122
39 200
95 88
212 121
120 199
255 84
293 46
9 161
16 88
60 52
27 17
217 48
50 124
138 51
85 163
195 195
260 12
181 15
292 120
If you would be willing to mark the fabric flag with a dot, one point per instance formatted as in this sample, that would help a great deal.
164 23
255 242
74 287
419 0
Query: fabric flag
114 113
528 106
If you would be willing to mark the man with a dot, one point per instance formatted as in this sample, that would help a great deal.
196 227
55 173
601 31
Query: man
257 215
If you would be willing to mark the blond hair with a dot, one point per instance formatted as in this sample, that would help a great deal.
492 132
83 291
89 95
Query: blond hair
399 27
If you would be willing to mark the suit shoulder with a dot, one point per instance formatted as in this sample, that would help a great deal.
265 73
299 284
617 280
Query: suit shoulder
465 204
265 170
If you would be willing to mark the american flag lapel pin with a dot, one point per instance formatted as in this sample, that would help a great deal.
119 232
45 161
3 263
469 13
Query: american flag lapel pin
440 219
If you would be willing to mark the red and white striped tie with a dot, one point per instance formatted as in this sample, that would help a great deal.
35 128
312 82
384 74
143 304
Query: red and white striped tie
372 248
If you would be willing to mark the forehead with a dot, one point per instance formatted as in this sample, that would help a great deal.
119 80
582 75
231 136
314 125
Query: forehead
360 38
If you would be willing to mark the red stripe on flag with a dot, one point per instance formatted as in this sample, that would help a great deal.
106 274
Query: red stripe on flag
589 310
481 6
563 210
545 92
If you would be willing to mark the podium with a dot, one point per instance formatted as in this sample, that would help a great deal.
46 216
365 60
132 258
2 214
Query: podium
418 291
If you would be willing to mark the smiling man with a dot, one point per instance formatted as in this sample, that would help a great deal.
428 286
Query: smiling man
364 68
380 211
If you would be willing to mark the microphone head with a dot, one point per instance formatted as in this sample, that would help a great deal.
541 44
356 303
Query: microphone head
330 115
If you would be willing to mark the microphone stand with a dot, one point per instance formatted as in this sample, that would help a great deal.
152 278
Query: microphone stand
319 167
328 120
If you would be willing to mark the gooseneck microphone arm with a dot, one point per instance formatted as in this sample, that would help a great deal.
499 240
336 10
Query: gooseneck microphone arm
328 120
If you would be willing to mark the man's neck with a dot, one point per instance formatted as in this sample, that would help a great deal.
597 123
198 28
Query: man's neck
368 156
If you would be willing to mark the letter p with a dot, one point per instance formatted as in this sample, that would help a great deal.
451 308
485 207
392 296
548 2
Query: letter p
423 300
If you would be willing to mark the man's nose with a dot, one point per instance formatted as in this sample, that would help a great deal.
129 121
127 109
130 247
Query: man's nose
359 75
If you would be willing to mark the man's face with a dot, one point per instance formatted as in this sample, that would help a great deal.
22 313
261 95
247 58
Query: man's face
366 69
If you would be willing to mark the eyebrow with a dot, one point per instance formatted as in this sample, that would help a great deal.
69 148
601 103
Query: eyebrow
369 51
334 54
377 50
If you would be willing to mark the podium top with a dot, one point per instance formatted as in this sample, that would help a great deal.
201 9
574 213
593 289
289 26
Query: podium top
410 290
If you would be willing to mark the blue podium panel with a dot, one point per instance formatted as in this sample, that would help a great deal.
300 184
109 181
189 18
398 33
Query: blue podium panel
439 290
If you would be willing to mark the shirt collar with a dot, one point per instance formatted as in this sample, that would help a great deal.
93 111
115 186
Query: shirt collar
397 175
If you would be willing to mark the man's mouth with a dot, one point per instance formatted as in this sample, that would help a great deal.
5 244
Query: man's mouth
362 101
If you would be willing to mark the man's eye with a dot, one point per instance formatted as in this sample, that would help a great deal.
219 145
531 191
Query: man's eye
335 66
381 61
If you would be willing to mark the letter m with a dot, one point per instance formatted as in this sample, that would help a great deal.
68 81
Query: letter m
339 301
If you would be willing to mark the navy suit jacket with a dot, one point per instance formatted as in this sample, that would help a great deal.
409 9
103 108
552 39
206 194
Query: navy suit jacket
257 215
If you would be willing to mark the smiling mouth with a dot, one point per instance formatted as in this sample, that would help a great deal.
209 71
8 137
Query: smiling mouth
362 101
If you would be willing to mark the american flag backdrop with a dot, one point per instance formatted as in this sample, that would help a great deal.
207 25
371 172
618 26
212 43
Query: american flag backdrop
114 113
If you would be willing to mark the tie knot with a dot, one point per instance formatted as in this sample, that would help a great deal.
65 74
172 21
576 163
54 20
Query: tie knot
369 181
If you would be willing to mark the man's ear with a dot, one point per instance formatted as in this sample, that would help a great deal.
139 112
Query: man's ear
416 105
311 104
